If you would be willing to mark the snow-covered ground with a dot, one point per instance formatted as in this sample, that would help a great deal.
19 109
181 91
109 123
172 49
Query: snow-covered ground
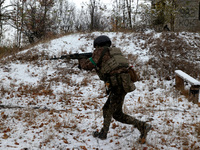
51 104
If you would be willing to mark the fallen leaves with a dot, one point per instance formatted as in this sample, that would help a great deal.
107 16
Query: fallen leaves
5 136
4 116
65 140
114 125
7 130
83 147
83 131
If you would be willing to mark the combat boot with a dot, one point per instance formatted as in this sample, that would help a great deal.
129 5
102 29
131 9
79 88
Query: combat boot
101 135
144 129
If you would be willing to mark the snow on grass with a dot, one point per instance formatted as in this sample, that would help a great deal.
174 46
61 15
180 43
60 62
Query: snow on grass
51 104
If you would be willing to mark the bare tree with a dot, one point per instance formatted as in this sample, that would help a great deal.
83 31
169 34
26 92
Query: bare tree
64 16
1 17
122 14
97 19
129 13
82 22
116 16
45 21
136 11
32 18
4 16
19 21
92 8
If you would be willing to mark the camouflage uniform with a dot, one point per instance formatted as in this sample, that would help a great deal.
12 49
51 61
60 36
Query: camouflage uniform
113 106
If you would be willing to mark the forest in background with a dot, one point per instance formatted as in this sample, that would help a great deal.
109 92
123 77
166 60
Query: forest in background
34 20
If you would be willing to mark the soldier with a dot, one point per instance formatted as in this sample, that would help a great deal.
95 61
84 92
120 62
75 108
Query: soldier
111 67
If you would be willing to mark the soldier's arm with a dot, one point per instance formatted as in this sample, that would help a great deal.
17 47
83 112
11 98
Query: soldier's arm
89 64
86 64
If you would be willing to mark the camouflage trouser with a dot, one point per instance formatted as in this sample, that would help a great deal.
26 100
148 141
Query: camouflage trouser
113 108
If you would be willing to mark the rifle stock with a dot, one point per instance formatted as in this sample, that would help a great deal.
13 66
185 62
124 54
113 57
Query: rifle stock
74 56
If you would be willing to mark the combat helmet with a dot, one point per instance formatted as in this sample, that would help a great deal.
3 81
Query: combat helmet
102 41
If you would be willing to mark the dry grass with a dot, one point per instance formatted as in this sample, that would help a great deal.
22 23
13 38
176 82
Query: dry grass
168 52
7 51
174 53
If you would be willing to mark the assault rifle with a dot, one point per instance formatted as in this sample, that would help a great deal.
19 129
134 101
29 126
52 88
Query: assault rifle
74 56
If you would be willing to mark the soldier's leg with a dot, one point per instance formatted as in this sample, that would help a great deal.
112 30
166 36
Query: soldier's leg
107 115
118 115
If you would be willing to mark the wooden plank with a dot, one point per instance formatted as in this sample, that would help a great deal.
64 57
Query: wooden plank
194 94
187 78
195 85
179 83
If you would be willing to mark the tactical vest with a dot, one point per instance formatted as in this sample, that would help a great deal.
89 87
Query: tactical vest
117 60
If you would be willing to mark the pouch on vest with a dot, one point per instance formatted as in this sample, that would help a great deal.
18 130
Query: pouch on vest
114 81
127 83
133 75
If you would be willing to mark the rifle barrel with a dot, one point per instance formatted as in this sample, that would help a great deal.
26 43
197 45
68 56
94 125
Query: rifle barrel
74 56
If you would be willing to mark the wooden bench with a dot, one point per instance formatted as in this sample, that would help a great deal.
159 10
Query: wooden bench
195 85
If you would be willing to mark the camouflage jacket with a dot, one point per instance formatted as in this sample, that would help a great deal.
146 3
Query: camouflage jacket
88 65
118 77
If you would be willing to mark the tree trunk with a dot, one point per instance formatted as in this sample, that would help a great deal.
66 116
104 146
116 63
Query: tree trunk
128 5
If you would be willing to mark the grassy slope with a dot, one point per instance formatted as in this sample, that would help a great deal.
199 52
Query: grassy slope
74 98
